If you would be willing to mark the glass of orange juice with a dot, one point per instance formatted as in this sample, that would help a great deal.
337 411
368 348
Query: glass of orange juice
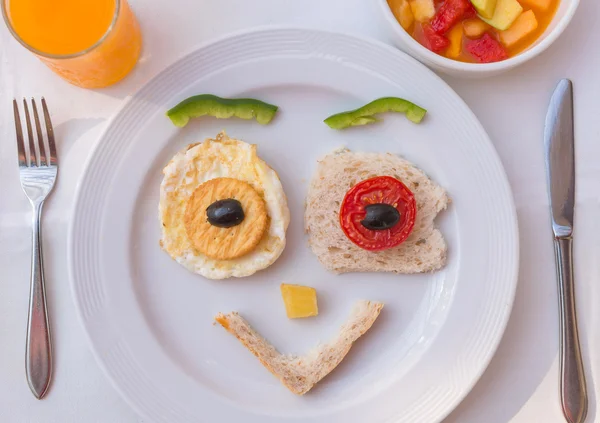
90 43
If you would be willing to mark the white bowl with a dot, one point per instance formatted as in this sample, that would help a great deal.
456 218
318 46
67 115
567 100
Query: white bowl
405 42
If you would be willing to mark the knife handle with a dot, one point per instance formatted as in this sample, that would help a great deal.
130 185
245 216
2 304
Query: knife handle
573 391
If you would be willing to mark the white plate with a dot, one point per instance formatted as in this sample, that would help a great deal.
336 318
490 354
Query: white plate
150 322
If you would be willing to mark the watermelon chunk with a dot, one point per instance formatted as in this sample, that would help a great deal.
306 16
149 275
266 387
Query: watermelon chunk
450 12
486 49
434 41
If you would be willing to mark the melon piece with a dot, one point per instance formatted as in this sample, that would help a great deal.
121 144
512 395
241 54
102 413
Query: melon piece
403 13
475 28
507 11
455 36
521 28
538 4
423 10
485 8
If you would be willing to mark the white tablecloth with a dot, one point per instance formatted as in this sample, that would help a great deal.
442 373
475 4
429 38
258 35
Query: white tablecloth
521 384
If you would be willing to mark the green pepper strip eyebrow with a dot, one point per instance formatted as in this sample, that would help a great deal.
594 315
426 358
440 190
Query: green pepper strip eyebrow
222 108
364 114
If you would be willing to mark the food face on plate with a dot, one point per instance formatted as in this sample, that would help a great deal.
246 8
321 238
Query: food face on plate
223 210
224 213
475 31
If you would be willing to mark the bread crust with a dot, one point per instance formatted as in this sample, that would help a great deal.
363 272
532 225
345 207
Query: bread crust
300 373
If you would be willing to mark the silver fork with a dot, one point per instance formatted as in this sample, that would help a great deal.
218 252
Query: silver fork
38 167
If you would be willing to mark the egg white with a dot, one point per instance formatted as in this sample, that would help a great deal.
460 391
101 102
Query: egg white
217 158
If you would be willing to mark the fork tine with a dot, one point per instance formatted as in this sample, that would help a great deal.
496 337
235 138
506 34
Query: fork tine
32 151
50 132
20 143
41 144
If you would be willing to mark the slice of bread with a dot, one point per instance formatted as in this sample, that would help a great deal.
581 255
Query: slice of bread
423 251
300 373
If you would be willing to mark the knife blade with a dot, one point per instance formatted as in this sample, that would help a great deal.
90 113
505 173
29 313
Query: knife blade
559 140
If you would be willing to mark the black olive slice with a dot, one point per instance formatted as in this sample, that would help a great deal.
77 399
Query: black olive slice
380 217
225 213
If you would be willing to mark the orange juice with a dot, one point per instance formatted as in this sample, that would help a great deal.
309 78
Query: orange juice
90 43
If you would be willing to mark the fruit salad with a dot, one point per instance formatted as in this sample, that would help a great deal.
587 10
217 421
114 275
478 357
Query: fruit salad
475 31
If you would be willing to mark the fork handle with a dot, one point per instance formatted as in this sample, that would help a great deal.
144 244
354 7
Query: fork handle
38 351
573 391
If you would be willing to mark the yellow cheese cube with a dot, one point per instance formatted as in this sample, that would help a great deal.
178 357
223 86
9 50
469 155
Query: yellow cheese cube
300 301
455 36
521 28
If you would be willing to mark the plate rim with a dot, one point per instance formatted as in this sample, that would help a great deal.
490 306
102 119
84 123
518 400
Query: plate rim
265 29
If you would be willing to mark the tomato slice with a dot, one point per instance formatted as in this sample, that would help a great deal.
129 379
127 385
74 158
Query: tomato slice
378 190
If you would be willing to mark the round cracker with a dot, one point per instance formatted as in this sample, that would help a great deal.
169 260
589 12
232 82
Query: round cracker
225 243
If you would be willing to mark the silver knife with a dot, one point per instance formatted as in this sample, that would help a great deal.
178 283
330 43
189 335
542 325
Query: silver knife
559 140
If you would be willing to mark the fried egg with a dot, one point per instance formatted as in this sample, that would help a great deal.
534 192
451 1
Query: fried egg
222 157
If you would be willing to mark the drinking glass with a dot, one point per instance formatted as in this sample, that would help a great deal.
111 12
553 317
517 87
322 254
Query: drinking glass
102 63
